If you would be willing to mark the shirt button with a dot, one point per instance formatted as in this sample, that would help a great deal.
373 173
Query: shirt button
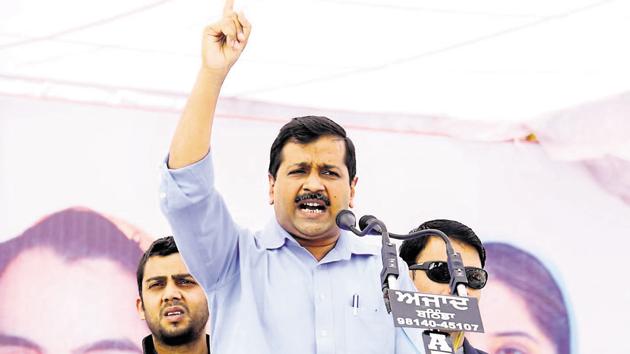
324 333
322 296
162 195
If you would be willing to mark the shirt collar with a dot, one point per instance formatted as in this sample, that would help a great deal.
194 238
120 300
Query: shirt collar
274 236
147 345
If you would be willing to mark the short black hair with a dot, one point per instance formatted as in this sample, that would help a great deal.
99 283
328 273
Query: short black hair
161 247
410 249
75 234
304 130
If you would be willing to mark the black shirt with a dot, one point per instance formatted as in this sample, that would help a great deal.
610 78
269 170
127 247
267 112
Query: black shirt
148 348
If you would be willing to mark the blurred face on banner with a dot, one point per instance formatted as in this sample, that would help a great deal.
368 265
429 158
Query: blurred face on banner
52 305
510 328
523 309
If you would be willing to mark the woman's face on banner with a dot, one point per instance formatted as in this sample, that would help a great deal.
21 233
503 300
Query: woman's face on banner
509 326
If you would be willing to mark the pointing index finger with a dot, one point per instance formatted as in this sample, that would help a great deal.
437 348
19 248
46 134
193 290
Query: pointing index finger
228 8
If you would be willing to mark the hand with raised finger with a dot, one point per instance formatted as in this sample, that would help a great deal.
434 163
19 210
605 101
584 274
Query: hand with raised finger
224 41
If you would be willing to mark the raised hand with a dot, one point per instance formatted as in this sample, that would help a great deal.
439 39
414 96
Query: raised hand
222 44
224 41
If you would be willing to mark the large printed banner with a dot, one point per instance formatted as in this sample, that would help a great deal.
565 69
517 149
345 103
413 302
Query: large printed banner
79 182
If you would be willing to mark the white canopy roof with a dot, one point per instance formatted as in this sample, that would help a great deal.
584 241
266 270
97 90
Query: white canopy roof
481 60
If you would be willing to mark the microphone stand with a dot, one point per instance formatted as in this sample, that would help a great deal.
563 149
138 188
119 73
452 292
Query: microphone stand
389 274
389 256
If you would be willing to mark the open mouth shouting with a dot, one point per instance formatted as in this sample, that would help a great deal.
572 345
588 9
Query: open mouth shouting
174 313
312 203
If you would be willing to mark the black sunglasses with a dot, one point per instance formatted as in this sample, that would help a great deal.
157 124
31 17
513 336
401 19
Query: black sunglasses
438 272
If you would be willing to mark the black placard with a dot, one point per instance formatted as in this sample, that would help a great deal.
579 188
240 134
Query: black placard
441 312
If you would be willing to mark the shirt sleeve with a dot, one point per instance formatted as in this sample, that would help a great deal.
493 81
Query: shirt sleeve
206 235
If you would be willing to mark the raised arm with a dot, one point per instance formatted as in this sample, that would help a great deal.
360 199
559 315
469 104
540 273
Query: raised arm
222 44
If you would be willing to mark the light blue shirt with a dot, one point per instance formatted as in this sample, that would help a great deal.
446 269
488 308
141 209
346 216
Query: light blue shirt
268 294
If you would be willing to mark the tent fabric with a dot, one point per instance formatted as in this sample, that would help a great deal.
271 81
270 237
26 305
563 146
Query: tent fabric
488 60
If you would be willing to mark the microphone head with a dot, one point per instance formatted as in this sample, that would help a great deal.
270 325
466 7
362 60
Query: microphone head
346 220
365 221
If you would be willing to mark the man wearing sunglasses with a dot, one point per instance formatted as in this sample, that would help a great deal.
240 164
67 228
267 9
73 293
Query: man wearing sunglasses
426 257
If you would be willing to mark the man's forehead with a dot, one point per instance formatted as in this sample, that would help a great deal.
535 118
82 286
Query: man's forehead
435 249
164 266
325 150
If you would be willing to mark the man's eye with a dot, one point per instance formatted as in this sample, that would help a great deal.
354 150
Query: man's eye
298 171
330 173
154 285
186 282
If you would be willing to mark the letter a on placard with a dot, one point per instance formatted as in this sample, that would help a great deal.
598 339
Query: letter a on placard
438 343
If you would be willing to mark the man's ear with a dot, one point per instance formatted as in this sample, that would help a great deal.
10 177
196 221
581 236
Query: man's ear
272 183
140 308
353 184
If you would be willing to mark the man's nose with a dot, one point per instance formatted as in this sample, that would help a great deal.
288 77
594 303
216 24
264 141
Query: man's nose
171 292
313 183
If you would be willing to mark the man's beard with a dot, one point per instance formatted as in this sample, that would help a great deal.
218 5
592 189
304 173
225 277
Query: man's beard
178 336
185 336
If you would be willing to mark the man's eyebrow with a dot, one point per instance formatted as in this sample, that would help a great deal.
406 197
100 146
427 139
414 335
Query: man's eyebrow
174 276
515 334
328 166
299 164
305 164
159 277
182 275
6 340
109 344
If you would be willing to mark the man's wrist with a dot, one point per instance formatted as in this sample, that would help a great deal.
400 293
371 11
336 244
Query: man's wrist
213 76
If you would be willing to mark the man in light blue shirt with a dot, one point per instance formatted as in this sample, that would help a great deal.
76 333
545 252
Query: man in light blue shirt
290 287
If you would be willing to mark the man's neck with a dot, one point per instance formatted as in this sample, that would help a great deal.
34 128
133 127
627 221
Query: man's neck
199 346
318 248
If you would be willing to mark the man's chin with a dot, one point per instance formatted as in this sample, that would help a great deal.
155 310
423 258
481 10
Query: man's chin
310 232
176 336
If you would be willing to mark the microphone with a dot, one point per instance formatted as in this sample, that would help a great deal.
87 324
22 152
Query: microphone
346 220
370 225
365 222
